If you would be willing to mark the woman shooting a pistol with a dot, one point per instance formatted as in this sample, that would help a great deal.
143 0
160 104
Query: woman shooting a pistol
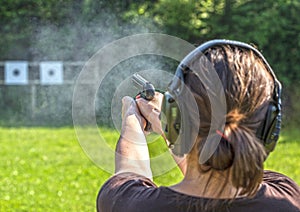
229 100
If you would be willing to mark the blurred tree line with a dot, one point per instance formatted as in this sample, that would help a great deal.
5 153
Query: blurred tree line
75 29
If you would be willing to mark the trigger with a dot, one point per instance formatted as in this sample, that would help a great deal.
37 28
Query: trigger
148 126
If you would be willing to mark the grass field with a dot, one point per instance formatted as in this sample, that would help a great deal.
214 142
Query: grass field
45 169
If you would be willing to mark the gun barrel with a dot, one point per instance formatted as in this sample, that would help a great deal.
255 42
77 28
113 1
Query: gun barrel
139 81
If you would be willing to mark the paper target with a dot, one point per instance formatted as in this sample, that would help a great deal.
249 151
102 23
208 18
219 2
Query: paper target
16 73
51 73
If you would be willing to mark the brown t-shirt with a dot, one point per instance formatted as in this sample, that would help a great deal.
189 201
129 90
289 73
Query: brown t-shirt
130 192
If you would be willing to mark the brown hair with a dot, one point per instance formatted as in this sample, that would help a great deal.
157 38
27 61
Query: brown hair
248 88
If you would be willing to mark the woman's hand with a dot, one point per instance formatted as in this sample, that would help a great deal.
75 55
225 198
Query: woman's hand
151 110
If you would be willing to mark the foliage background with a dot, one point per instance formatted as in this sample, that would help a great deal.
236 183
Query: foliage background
73 30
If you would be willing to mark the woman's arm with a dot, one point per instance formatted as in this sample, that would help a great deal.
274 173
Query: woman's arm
151 111
132 153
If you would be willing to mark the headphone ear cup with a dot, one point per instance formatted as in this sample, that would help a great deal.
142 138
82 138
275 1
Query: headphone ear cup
269 130
182 125
173 123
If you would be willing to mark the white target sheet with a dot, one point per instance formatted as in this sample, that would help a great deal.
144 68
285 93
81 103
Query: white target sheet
16 73
51 73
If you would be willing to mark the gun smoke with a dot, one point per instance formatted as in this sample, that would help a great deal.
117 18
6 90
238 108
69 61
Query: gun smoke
77 42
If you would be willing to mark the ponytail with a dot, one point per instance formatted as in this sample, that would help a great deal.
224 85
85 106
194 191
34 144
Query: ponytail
247 165
240 152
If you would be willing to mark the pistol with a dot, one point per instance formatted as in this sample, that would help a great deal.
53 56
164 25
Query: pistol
147 90
170 109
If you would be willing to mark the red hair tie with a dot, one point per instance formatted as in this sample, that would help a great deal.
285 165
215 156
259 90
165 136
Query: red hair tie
222 135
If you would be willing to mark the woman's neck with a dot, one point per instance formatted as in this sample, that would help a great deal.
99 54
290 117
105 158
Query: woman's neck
208 184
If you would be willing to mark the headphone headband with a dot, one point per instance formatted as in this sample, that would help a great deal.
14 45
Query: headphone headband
220 42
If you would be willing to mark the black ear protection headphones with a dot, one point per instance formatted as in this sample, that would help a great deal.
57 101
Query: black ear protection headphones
267 133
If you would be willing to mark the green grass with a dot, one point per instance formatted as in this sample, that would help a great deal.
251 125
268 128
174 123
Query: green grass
45 169
286 156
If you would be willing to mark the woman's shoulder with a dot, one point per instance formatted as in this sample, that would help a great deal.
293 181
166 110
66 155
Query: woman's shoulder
278 180
280 186
123 190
